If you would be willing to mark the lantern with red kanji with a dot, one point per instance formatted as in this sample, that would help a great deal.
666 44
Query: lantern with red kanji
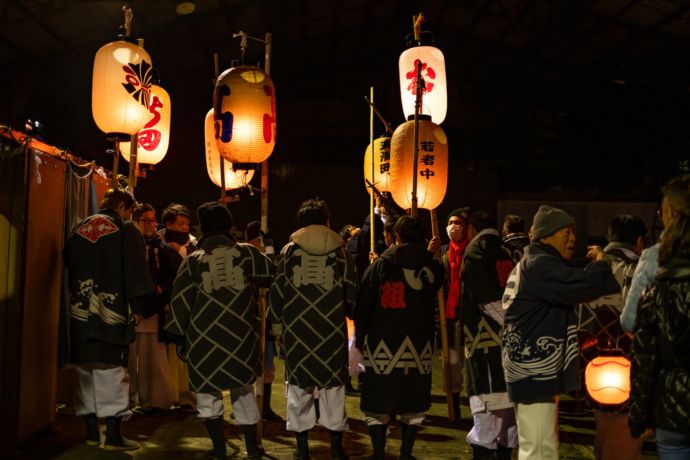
245 114
607 379
382 157
121 89
154 137
233 179
432 164
435 98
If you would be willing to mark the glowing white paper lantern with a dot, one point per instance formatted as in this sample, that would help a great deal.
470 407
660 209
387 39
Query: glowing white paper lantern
435 96
154 137
233 179
121 89
432 164
245 114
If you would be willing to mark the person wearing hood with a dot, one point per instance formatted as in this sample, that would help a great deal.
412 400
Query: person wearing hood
395 323
486 266
314 291
213 314
540 347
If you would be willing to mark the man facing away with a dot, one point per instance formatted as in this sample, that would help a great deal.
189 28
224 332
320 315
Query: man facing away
214 314
486 266
108 277
314 291
395 322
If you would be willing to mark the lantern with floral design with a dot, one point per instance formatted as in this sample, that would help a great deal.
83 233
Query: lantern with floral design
245 114
382 157
435 98
233 179
154 137
432 164
121 90
607 379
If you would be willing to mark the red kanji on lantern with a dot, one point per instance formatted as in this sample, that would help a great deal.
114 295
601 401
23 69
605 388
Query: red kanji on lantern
427 72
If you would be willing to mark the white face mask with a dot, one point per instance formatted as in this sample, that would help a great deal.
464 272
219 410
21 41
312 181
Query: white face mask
454 232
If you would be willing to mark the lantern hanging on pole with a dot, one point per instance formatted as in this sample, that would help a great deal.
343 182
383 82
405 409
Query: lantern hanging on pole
120 95
245 115
233 179
435 102
382 158
607 379
154 137
432 168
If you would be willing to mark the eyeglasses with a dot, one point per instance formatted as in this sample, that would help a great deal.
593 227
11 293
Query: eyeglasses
148 221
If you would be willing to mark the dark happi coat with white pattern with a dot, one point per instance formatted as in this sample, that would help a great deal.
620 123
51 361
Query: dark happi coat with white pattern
213 308
106 264
314 290
394 322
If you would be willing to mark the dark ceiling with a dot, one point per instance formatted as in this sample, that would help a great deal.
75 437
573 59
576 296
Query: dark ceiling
578 96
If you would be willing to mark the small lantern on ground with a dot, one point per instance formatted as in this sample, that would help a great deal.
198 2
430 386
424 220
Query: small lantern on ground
607 379
432 167
382 159
154 137
233 179
245 115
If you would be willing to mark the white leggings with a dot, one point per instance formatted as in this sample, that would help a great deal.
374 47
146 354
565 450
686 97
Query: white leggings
244 408
102 390
301 414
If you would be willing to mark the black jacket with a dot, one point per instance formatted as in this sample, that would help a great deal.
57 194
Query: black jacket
660 375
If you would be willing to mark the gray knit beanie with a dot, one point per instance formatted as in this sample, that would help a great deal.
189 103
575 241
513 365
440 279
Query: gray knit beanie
548 221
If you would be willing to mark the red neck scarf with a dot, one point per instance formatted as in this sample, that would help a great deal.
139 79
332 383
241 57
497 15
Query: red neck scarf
455 252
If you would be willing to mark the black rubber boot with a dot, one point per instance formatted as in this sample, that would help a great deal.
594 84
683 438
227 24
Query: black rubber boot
456 405
409 433
113 436
93 435
337 452
268 414
302 452
504 453
251 442
378 441
214 426
482 453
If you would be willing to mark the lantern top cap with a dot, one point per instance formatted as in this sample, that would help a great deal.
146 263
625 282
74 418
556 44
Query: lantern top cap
422 116
426 38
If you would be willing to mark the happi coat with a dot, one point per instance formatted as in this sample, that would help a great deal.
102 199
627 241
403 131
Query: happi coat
394 323
106 269
212 308
486 267
314 291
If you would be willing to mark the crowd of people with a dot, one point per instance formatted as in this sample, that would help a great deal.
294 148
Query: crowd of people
161 321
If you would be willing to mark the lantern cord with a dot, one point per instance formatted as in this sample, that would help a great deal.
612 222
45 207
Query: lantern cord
378 114
417 26
243 41
128 19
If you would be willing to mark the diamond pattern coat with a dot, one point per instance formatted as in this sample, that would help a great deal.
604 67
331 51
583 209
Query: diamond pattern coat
314 290
213 308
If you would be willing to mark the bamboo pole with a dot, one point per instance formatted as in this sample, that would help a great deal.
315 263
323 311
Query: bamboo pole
444 335
216 69
372 216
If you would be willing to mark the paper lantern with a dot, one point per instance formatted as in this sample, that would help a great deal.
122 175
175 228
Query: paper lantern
233 179
435 97
607 379
245 115
154 137
382 158
121 89
432 164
